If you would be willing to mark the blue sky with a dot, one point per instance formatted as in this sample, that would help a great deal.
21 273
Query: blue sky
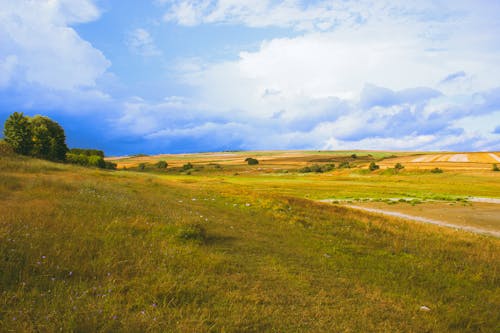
163 76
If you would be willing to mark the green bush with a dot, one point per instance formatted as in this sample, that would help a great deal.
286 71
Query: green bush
437 170
373 166
142 166
86 152
161 164
398 167
251 161
495 168
187 166
344 165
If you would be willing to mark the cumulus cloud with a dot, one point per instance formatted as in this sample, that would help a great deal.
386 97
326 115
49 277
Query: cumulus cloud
141 42
39 47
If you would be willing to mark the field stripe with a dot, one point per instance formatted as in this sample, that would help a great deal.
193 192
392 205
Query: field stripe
427 220
495 157
459 158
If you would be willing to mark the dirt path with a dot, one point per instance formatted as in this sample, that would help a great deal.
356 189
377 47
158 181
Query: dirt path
427 220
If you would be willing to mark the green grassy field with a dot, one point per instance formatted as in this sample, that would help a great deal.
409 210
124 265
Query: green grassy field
236 249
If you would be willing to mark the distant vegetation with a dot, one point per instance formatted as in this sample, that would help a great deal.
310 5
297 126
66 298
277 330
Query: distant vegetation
495 168
41 137
318 168
251 161
373 166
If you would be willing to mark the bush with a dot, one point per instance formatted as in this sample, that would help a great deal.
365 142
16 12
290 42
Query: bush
86 152
251 161
187 166
142 166
96 161
317 168
161 164
495 168
344 165
109 165
373 166
398 167
354 156
437 170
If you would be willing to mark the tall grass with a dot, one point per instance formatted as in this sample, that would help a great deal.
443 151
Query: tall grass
89 250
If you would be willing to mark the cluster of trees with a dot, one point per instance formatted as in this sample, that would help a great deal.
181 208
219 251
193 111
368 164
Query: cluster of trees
36 136
89 157
41 137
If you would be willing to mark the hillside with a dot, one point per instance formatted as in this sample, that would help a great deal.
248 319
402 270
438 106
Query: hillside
217 250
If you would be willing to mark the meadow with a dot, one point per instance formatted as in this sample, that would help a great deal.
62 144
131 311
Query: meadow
228 247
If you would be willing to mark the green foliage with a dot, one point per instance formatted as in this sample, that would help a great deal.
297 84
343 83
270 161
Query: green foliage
142 166
251 161
354 156
398 167
317 168
344 165
17 133
161 164
89 160
187 166
109 165
495 168
373 166
86 152
49 140
437 170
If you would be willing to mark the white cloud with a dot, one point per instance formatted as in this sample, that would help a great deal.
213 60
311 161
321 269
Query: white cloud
141 42
48 52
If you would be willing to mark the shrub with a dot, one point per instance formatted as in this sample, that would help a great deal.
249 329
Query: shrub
344 165
86 152
251 161
96 161
305 170
187 166
373 166
142 166
398 167
109 165
437 170
161 164
354 156
495 168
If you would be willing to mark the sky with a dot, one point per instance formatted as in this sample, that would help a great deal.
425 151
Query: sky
174 76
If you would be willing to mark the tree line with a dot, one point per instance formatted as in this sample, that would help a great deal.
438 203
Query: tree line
41 137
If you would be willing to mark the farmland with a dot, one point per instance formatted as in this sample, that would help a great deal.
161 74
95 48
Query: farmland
227 246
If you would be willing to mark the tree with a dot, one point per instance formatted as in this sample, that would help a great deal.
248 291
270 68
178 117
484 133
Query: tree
49 140
17 133
161 164
373 166
251 161
398 167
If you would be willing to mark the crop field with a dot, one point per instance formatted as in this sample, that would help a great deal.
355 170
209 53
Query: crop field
212 244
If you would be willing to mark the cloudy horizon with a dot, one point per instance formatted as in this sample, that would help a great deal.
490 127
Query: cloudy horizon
169 76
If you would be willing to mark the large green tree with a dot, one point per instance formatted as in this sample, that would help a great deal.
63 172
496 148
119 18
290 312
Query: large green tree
49 140
17 133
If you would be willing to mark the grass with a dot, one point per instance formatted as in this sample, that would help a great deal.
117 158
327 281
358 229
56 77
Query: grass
93 250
